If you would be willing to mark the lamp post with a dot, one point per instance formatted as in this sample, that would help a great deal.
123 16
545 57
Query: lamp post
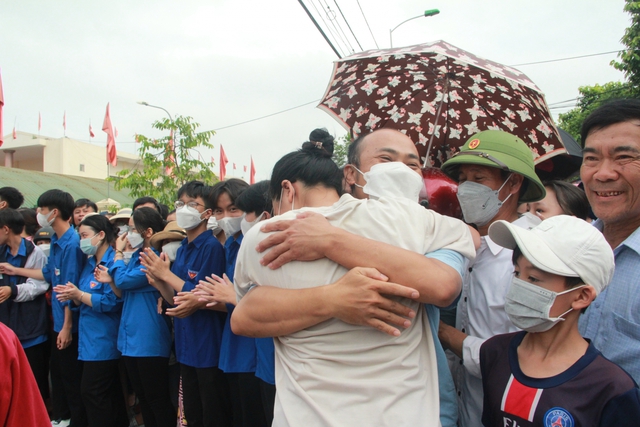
430 12
171 141
146 104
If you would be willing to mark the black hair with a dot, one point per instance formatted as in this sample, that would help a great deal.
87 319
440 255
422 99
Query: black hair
144 200
571 199
30 220
164 211
81 203
195 189
145 218
311 165
569 282
610 113
12 219
353 152
12 196
233 187
100 223
255 199
57 199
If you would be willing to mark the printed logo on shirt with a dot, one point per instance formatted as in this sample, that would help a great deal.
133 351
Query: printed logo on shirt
56 271
93 284
558 417
192 274
520 400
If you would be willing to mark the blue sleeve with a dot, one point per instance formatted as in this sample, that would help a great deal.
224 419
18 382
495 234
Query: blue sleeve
450 257
106 301
72 264
622 411
129 277
47 272
212 262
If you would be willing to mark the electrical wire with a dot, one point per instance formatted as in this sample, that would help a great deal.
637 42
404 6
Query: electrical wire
268 115
566 59
349 26
332 32
338 27
365 20
319 29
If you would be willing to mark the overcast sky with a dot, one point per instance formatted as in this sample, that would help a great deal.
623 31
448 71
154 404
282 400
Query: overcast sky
224 62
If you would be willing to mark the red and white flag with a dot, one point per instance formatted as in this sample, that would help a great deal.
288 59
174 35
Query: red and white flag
223 163
252 173
1 106
91 134
39 122
112 156
172 159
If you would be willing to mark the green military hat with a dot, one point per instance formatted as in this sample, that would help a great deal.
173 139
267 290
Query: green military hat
498 149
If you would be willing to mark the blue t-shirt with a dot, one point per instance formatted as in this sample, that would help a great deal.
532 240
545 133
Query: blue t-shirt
66 261
98 335
198 336
238 353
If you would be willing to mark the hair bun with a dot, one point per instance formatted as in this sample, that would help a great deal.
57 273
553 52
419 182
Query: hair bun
320 143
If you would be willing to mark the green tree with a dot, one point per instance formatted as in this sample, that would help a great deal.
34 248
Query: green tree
591 97
341 150
165 168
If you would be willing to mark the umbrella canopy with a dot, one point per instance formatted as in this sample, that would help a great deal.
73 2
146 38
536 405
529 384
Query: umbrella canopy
439 95
562 166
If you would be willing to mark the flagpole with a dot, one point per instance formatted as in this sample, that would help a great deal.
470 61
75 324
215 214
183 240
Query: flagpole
108 175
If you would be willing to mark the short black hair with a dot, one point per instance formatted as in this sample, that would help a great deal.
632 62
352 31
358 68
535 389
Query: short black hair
569 282
57 199
12 219
255 199
100 223
144 200
610 113
81 203
195 189
12 196
571 199
353 152
233 187
312 165
30 220
164 211
144 218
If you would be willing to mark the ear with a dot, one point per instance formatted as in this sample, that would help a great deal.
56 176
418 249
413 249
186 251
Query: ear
584 298
350 174
3 205
266 215
289 190
515 182
147 233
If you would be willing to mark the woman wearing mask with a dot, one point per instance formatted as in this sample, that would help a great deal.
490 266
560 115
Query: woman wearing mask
144 336
98 326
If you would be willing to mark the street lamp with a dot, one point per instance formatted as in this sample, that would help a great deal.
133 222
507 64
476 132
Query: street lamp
430 12
146 104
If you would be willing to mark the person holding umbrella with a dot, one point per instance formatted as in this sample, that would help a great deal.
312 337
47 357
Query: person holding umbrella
496 173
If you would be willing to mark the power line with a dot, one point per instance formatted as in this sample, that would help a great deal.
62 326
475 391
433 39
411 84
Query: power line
338 27
268 115
365 20
566 59
319 29
349 26
333 34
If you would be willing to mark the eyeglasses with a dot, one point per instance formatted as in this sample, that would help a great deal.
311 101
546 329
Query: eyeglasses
179 203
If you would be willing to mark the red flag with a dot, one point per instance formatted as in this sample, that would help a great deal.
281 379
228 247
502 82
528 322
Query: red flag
169 169
136 138
91 134
39 122
116 132
64 121
1 105
15 134
212 161
252 173
244 168
234 166
223 163
112 157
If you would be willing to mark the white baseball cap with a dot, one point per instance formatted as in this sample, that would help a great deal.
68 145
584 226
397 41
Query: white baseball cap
562 245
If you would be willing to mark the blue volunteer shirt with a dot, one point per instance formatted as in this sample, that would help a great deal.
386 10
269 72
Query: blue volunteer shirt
66 261
238 353
265 360
198 336
143 332
98 335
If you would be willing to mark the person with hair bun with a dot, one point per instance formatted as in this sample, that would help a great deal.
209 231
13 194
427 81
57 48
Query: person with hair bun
100 312
332 367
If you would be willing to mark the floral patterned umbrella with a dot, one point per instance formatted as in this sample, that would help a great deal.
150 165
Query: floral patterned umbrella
439 95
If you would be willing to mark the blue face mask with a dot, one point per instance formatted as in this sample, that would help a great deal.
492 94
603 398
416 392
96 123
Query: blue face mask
87 247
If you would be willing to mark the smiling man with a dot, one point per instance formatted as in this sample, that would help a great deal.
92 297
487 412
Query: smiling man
611 175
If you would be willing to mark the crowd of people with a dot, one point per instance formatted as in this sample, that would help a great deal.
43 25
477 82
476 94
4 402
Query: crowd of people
329 297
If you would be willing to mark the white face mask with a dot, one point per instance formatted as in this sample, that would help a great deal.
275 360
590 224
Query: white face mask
126 257
246 225
231 225
171 249
188 218
479 203
528 306
43 220
135 239
45 248
213 226
122 229
392 180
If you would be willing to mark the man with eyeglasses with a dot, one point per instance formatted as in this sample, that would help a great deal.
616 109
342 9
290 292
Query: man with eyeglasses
198 331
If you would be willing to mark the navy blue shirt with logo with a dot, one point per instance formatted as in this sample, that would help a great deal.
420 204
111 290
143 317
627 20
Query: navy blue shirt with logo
592 392
198 336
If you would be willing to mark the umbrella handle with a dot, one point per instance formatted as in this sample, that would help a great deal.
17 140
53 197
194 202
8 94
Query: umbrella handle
445 91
